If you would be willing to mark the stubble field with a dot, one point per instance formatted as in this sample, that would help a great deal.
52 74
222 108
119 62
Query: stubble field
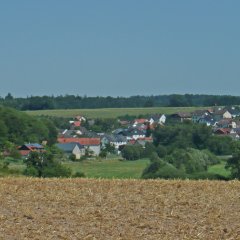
118 209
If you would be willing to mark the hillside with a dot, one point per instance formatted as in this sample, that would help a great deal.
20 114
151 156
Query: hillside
118 209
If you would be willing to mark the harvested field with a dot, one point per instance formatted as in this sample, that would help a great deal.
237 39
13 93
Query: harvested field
118 209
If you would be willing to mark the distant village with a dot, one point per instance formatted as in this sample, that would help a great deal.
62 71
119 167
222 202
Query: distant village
77 140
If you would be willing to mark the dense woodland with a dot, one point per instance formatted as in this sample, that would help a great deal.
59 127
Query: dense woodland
18 128
84 102
186 151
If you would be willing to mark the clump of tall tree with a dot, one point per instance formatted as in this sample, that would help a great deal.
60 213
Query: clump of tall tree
186 150
17 127
45 165
189 163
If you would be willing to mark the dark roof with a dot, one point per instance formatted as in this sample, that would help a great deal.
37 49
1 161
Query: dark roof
200 112
68 147
182 115
135 131
220 112
233 111
31 146
120 138
237 130
35 145
207 118
119 131
115 138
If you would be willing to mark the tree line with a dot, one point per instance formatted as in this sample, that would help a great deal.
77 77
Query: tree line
84 102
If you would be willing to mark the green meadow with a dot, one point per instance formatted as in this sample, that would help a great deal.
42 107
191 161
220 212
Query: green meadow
109 168
116 168
219 169
110 112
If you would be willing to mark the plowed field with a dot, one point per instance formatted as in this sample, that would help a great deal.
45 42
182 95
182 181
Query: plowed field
118 209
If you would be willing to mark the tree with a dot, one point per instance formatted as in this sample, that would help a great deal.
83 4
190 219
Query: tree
220 145
109 148
18 127
149 149
132 152
44 165
9 97
103 154
11 149
181 163
233 164
161 151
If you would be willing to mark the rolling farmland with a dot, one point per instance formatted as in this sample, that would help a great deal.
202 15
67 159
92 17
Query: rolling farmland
118 209
110 112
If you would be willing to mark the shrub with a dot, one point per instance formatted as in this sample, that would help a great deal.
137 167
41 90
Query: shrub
79 175
56 170
31 171
206 175
72 157
166 171
132 152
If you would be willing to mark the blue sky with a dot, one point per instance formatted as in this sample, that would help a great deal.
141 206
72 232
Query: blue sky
119 48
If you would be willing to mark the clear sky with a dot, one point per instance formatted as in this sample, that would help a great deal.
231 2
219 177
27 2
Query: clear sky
119 48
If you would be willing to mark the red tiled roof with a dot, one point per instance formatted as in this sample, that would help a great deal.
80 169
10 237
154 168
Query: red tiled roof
141 120
82 141
132 141
223 131
146 139
76 123
24 152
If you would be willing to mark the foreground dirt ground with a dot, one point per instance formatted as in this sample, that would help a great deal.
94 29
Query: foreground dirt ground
118 209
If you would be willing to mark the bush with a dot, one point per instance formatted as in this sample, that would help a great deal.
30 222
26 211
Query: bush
192 160
79 175
72 157
220 145
206 175
103 154
181 163
56 170
132 152
167 171
161 151
44 165
30 171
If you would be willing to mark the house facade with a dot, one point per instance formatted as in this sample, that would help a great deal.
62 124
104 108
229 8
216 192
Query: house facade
76 149
91 144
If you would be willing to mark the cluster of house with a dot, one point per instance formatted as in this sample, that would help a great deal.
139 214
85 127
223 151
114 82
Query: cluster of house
78 140
224 121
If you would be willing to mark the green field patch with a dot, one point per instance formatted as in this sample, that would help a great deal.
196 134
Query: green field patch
110 112
219 169
113 168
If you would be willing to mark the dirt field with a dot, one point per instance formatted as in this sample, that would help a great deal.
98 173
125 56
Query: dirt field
118 209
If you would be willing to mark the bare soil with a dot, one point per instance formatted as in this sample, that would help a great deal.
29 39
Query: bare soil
118 209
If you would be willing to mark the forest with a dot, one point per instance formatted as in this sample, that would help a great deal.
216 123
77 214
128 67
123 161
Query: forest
17 127
85 102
